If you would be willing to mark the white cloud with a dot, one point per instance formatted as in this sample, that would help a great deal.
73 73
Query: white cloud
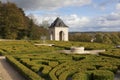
48 4
109 22
76 21
112 20
104 4
118 6
38 19
72 20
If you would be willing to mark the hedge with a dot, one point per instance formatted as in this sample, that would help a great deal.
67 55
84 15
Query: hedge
110 68
46 69
27 73
64 75
94 75
80 76
53 63
103 75
52 74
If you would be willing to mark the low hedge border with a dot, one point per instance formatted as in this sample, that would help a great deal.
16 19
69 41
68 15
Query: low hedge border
26 72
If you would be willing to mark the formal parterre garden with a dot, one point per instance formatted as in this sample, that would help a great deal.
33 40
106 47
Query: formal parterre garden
48 63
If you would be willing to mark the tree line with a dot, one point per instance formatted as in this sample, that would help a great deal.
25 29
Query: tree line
14 24
100 37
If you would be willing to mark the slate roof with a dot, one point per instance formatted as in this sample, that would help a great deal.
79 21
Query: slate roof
58 23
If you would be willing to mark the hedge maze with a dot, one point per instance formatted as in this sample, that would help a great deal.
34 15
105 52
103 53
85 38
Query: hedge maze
74 67
47 63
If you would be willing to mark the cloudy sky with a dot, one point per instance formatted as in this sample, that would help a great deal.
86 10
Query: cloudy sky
79 15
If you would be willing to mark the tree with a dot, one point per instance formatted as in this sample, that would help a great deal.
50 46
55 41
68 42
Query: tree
115 38
83 37
99 37
12 21
45 24
35 31
106 39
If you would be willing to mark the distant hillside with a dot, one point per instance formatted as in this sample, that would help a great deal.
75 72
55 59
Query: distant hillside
15 25
100 37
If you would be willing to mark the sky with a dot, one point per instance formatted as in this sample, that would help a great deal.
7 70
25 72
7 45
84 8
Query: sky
79 15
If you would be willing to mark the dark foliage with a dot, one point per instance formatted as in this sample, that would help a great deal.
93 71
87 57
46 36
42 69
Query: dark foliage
15 25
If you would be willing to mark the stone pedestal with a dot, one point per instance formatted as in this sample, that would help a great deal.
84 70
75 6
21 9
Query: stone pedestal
78 50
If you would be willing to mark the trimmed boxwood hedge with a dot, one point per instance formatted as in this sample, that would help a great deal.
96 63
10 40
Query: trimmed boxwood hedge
103 75
27 73
94 75
80 76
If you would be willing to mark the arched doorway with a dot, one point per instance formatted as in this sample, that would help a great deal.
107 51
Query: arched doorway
61 36
51 36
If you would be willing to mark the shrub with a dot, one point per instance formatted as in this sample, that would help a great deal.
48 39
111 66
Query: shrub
53 63
35 68
78 58
52 74
80 76
103 75
64 75
46 69
110 68
27 73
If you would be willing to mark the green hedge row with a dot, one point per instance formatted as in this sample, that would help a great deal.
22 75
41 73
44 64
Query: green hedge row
27 73
80 76
52 73
60 71
64 75
94 75
87 45
54 69
103 75
53 63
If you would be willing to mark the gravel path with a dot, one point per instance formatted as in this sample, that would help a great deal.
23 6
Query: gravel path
117 75
7 72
